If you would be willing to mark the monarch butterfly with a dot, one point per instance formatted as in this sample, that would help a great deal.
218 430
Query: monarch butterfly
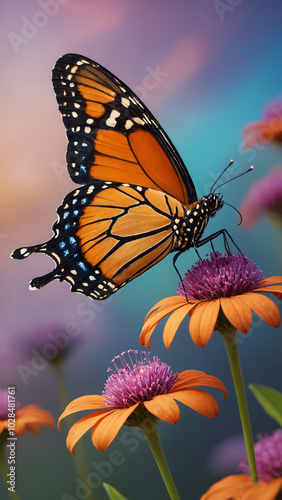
137 201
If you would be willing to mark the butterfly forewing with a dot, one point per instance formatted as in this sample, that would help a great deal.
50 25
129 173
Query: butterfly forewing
112 135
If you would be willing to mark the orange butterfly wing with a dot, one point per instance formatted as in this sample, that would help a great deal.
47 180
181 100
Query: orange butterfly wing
123 232
106 235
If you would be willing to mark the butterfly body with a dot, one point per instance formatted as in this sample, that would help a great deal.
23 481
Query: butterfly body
137 202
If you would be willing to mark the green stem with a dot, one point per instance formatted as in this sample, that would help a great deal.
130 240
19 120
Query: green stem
61 386
4 470
231 344
79 459
156 447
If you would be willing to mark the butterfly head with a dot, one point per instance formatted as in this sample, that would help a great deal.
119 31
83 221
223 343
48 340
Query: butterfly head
213 203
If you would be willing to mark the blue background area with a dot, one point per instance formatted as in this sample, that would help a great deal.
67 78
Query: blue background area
222 62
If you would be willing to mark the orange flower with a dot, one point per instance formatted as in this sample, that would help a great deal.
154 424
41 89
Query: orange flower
28 418
138 393
231 285
240 487
268 452
267 130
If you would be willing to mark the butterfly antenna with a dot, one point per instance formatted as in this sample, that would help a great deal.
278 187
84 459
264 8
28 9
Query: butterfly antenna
236 177
236 210
224 170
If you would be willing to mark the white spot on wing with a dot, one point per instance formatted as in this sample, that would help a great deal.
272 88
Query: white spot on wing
125 102
138 120
33 287
111 121
128 124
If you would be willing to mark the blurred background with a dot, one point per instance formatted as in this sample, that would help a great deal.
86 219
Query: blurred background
205 69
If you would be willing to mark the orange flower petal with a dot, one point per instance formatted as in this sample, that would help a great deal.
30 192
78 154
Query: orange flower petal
203 320
30 418
240 487
198 400
274 290
83 403
152 319
190 378
253 126
270 289
83 425
156 316
264 491
159 314
237 311
272 280
229 487
260 132
34 413
106 429
34 428
173 323
164 407
175 300
264 307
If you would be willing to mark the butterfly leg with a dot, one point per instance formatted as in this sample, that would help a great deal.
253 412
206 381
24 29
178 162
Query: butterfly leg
212 237
213 249
175 257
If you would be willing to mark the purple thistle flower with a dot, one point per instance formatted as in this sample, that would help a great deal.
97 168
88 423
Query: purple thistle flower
138 380
221 276
225 456
50 341
268 453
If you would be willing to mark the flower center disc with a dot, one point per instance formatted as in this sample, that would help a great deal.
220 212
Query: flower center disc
221 276
139 380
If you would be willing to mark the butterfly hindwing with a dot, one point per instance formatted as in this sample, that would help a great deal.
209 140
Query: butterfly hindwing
112 135
106 235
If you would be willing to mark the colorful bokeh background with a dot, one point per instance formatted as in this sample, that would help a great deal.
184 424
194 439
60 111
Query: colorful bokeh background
205 69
